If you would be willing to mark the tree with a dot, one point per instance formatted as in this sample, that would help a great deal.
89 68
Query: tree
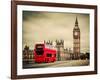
88 55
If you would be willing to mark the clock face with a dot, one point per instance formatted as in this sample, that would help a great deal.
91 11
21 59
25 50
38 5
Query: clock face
76 33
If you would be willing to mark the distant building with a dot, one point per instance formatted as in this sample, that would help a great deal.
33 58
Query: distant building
67 54
27 55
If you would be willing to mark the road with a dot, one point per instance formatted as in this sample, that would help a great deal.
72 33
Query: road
57 64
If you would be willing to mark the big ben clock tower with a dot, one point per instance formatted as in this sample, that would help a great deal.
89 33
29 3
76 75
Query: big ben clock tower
76 40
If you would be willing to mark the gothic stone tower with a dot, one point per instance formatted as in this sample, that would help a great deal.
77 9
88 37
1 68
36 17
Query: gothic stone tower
76 40
48 42
60 49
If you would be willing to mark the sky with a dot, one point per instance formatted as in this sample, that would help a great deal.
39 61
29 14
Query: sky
40 26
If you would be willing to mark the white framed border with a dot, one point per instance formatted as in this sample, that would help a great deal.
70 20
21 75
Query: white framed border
21 71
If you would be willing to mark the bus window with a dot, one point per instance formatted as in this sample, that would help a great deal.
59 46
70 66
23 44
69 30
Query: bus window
49 55
39 46
39 51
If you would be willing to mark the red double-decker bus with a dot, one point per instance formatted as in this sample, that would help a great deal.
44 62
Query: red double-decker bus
42 53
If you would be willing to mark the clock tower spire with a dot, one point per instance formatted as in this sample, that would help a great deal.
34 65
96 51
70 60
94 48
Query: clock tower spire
76 40
76 22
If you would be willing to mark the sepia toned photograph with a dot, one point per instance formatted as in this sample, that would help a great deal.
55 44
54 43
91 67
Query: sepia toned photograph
52 39
55 39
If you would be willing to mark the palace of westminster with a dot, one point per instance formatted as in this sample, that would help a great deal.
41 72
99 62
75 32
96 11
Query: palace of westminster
67 54
63 53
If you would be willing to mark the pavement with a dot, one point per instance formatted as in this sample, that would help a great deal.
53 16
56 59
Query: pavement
57 64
